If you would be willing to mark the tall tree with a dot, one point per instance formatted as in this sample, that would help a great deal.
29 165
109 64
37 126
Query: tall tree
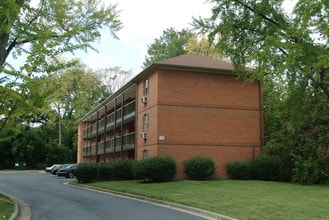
172 43
276 43
202 46
290 54
75 91
113 78
52 28
38 35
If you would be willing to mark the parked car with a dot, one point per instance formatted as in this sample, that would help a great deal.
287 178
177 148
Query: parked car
57 167
48 169
67 171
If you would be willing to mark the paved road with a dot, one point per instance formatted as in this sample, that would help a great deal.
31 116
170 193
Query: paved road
49 198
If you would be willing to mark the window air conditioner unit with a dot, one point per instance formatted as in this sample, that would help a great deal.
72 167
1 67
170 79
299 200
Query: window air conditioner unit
144 99
143 135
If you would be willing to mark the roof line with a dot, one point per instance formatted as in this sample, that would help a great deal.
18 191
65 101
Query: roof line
150 69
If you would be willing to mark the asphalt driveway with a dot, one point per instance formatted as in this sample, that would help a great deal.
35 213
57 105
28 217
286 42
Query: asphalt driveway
50 198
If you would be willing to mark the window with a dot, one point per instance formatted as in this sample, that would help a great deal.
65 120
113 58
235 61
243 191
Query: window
146 87
146 122
145 154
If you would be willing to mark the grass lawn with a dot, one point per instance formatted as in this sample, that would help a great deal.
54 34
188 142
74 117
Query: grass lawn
6 207
238 199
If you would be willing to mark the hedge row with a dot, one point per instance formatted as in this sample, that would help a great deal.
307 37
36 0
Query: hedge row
119 170
263 167
155 169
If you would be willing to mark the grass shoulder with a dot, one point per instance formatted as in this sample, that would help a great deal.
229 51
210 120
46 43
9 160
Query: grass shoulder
6 207
237 199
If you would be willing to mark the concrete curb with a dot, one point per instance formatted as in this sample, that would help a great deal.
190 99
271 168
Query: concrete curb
195 211
21 209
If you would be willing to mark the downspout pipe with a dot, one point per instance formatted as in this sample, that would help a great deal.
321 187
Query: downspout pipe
122 116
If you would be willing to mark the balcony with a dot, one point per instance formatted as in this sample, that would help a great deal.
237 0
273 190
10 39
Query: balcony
126 142
128 116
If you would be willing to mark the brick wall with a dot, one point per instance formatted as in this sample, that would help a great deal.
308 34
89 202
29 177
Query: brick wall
150 144
205 114
80 158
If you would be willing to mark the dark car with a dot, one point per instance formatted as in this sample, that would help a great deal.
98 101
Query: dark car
67 171
57 167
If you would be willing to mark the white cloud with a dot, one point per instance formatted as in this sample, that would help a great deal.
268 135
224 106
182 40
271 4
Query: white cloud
143 21
147 18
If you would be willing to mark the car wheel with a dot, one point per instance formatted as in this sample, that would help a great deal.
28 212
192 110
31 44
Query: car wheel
71 175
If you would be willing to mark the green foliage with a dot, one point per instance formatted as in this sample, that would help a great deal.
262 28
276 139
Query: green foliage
199 168
36 146
302 146
262 167
289 54
172 43
59 101
306 170
309 170
49 29
155 169
265 167
238 170
7 159
87 172
75 90
202 47
104 171
123 169
118 170
54 27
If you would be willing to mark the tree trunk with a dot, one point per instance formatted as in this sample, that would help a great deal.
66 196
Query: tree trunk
3 52
59 128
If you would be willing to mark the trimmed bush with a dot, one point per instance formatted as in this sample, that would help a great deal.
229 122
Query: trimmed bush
118 170
123 169
199 168
238 170
86 172
105 171
265 167
155 169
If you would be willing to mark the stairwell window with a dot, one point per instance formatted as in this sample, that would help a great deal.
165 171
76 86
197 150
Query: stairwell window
146 87
145 154
146 122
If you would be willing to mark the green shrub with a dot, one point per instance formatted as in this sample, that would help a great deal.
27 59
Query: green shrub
238 170
123 169
286 170
155 169
265 167
199 168
86 172
105 171
306 170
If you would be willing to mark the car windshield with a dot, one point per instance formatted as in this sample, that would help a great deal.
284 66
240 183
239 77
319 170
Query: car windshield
69 166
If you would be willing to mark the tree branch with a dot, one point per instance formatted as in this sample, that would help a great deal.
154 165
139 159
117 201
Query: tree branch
320 83
3 42
258 13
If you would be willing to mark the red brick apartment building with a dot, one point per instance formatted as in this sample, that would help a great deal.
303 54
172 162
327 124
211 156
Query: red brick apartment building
183 106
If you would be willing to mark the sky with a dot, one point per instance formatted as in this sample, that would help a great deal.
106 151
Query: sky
143 22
